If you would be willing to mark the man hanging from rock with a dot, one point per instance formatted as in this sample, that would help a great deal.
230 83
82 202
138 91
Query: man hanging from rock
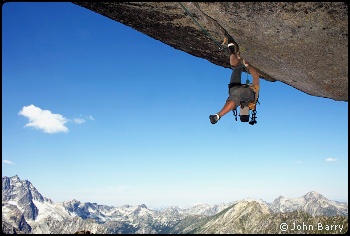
239 95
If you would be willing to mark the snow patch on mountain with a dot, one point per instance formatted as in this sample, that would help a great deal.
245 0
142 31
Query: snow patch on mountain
55 211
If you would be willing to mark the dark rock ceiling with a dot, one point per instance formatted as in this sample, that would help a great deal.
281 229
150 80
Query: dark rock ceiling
302 44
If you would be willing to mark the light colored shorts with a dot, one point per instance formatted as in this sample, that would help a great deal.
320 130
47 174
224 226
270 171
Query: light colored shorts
240 94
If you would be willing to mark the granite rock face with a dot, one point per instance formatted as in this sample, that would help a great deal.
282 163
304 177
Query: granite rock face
302 44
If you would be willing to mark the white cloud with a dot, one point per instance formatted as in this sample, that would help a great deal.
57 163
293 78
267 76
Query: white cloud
78 120
90 117
44 120
8 162
330 159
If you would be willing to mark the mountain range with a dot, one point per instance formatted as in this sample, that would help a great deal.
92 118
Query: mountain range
25 210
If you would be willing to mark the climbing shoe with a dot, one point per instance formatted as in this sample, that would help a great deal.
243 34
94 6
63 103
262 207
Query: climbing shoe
234 48
231 44
214 118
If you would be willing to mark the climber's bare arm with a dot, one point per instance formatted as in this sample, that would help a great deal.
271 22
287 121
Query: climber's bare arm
255 74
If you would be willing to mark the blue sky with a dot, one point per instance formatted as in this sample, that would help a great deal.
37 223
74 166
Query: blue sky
96 111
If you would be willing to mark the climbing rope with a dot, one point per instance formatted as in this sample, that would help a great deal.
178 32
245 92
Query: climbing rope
218 44
187 11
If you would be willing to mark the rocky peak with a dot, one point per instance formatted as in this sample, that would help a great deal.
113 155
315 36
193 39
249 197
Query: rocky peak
258 207
312 203
21 189
312 196
14 179
22 192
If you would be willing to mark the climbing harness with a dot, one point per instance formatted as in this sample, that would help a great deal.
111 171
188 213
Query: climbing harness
246 111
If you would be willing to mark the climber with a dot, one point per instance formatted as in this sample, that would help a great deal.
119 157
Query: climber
239 94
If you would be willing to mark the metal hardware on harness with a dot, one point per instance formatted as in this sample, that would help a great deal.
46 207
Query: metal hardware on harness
253 120
235 113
